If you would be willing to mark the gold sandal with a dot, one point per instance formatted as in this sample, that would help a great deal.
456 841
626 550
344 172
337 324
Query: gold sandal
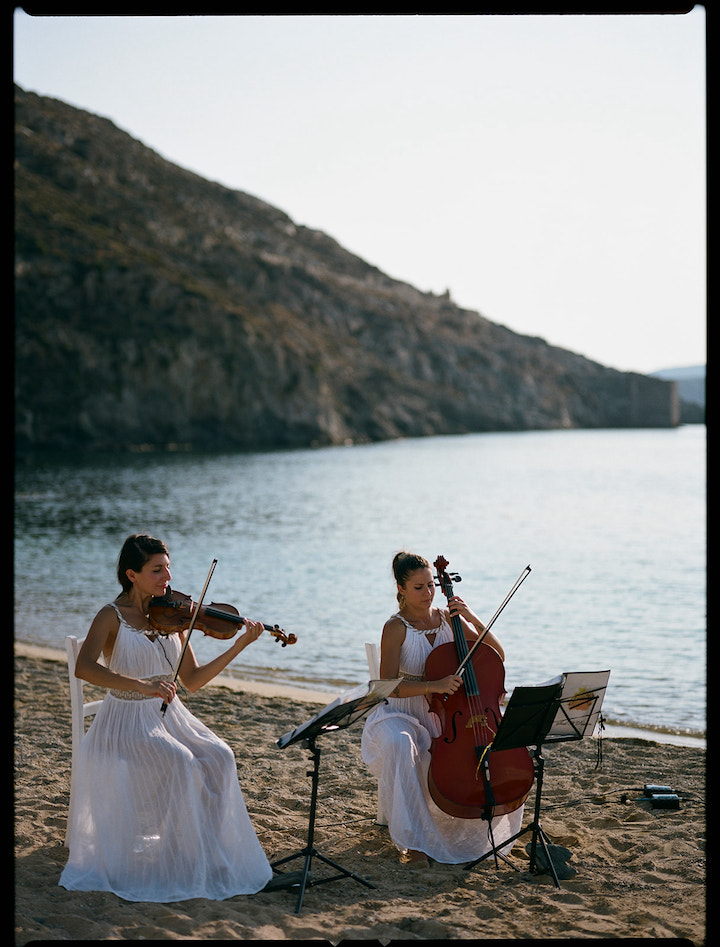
409 856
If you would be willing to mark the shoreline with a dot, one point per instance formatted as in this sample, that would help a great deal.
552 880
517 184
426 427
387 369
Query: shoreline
322 698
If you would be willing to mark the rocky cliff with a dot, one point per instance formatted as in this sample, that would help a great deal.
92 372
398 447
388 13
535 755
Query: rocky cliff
153 307
691 387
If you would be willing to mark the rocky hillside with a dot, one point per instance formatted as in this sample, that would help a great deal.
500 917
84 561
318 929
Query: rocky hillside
157 308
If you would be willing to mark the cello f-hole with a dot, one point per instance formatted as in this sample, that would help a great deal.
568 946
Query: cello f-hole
458 713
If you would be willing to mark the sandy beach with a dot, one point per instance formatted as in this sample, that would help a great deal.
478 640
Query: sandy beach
639 872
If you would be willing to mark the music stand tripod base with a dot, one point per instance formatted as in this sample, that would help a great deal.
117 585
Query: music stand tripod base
310 852
534 827
339 714
566 708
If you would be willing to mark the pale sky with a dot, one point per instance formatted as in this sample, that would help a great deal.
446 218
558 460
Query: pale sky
549 171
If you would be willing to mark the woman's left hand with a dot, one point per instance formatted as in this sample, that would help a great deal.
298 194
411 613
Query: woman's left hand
253 629
458 607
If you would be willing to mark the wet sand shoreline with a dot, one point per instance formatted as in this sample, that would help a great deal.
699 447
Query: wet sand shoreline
321 698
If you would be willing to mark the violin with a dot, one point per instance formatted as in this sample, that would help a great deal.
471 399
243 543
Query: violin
466 779
173 612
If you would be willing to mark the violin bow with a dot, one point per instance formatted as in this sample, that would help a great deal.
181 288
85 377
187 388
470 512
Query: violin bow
190 628
523 575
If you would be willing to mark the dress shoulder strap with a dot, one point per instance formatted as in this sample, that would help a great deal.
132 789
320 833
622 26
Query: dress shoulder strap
406 622
422 631
123 621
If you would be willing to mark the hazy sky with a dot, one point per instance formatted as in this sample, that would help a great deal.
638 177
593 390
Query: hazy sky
549 171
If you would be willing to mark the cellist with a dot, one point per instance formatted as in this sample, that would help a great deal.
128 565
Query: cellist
397 735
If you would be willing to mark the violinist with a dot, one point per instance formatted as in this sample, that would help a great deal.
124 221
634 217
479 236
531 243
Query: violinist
397 735
158 813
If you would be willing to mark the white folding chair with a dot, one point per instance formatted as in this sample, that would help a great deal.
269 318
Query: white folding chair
373 659
79 711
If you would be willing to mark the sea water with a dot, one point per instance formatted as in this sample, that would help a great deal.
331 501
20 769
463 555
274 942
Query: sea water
612 523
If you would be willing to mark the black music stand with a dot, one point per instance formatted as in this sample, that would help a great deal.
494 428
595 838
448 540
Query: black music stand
566 708
337 715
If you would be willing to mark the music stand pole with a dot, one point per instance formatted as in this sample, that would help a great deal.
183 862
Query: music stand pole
338 715
537 832
309 851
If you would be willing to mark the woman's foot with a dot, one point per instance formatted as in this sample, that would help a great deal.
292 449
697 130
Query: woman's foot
409 856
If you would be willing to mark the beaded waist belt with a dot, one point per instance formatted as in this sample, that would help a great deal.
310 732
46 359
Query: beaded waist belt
133 695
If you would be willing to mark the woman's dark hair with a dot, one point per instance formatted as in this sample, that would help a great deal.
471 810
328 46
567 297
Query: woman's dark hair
403 564
136 551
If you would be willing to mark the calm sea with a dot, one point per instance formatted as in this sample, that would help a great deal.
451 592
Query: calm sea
613 524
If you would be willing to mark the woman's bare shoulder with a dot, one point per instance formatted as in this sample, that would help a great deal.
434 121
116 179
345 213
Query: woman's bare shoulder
106 621
108 612
394 628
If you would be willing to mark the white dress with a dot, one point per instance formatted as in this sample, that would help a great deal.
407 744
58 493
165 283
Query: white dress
158 812
396 748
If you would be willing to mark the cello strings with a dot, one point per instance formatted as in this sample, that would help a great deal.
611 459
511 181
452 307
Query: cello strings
478 718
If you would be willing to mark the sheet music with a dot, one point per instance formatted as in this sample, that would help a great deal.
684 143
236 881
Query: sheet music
580 701
564 708
345 709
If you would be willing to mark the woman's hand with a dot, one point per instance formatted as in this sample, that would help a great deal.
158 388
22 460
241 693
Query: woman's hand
253 630
164 689
447 685
457 606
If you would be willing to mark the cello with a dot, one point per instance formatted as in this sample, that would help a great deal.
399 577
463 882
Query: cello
466 779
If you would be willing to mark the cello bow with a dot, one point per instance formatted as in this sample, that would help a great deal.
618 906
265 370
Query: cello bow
523 575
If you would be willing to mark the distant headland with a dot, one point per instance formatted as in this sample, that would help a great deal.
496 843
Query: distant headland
155 308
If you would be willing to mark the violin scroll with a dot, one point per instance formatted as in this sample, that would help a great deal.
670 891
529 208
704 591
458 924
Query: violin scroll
280 636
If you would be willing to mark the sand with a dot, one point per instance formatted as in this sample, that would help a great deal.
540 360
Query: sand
639 871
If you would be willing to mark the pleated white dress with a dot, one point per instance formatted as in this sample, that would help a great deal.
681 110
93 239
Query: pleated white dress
158 812
396 748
